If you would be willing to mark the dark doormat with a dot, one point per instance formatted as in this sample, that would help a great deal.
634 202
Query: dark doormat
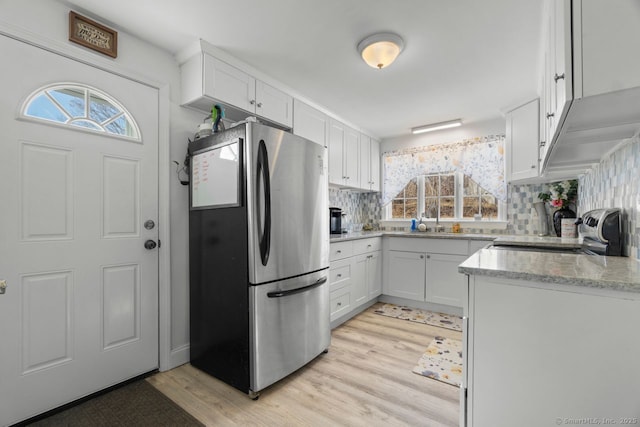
135 404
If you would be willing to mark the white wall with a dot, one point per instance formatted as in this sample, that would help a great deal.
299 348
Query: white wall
466 131
138 59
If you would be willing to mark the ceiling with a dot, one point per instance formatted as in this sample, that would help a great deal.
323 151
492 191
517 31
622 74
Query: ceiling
468 59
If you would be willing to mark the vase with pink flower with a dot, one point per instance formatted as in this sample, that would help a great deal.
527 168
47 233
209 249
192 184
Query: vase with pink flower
561 195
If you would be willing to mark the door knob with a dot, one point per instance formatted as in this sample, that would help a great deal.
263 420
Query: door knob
3 286
149 224
150 244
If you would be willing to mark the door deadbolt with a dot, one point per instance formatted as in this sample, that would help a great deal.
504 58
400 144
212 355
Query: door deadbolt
3 286
150 244
149 224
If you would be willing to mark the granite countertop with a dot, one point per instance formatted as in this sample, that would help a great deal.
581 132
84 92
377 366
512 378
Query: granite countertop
413 234
539 241
613 273
355 235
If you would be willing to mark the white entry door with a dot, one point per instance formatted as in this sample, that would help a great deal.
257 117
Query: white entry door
80 311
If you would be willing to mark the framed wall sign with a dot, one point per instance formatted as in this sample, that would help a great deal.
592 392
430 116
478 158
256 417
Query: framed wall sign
90 34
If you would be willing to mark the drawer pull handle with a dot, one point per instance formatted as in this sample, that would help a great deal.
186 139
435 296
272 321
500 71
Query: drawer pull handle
368 246
338 275
338 251
339 304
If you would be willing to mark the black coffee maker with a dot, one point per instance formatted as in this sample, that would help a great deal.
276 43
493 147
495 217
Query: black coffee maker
335 220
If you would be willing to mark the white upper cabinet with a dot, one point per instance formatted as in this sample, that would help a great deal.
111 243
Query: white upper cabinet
273 104
591 90
352 157
344 146
206 80
522 142
610 46
369 163
310 123
228 84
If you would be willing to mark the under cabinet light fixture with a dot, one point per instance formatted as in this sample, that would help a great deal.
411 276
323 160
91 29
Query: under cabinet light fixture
380 50
437 126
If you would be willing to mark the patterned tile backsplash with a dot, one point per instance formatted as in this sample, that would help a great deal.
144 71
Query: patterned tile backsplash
360 208
613 183
363 208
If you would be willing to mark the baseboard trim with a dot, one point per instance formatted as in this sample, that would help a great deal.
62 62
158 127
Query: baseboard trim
178 356
440 308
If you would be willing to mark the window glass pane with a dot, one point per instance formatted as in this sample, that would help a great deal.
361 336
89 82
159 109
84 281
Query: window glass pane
431 185
447 207
120 126
71 99
471 188
470 207
411 190
397 208
85 124
42 107
100 109
67 105
430 207
489 207
411 208
447 185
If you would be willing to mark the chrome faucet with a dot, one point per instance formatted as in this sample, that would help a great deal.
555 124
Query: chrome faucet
439 228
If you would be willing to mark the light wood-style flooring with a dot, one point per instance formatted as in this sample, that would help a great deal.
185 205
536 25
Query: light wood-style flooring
364 380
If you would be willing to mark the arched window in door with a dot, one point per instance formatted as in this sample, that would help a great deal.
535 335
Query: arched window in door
81 107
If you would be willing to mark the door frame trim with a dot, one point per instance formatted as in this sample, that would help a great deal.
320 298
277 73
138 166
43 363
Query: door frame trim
164 174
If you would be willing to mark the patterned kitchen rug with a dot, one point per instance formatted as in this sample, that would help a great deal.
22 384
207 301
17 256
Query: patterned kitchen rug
421 316
442 361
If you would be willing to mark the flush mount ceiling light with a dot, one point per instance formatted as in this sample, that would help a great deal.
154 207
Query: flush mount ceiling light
380 50
437 126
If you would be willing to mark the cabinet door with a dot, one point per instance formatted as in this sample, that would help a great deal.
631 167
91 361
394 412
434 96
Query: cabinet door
336 152
444 284
374 274
375 165
365 161
310 123
609 36
359 285
522 142
274 104
228 84
405 277
560 75
352 157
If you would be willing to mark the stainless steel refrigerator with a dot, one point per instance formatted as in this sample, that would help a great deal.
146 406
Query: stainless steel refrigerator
258 254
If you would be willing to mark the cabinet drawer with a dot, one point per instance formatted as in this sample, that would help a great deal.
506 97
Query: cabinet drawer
340 250
340 303
339 274
430 245
364 246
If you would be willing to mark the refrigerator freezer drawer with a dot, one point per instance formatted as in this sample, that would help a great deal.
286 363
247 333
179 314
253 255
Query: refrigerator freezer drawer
289 326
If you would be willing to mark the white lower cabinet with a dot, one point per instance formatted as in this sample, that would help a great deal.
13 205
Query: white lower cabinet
405 275
426 269
545 354
444 285
354 274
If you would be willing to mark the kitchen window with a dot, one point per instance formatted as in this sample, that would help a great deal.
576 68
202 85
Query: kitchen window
449 196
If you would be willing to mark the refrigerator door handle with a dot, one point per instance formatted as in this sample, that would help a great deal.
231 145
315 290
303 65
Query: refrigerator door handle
264 229
280 294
